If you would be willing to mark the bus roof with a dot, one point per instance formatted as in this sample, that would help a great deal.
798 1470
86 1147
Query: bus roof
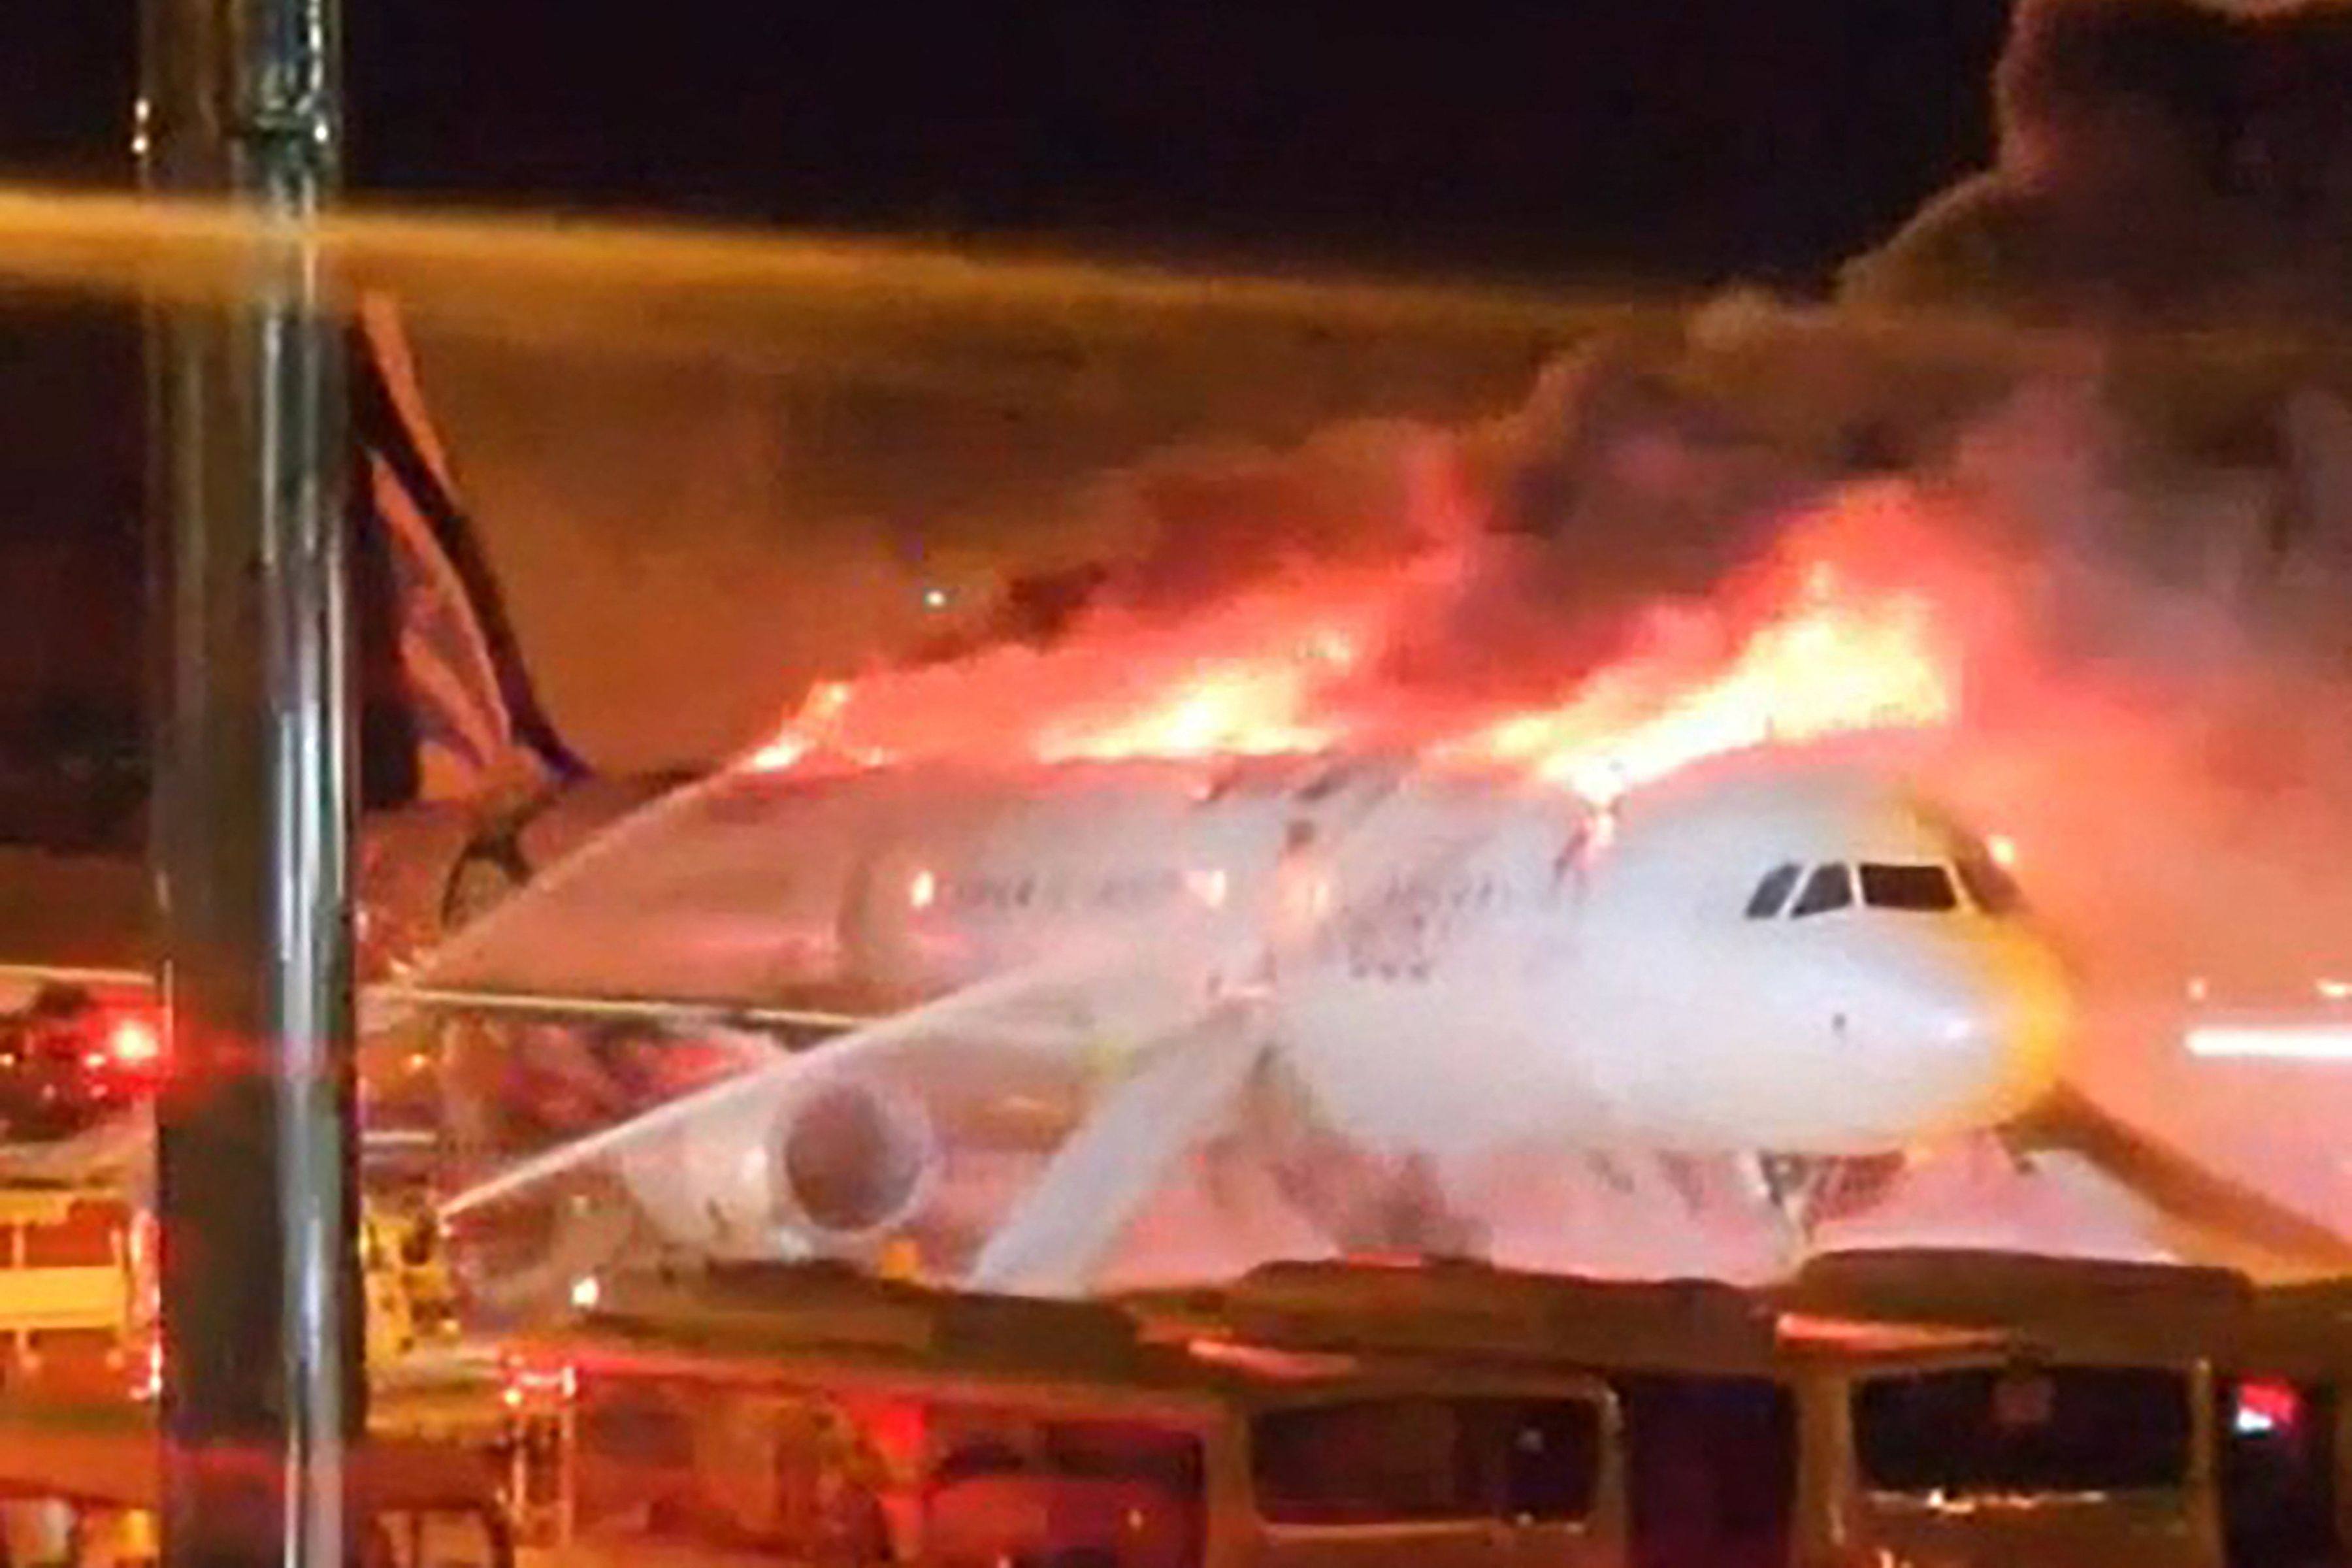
832 1326
1287 1327
2303 1330
1472 1310
2079 1308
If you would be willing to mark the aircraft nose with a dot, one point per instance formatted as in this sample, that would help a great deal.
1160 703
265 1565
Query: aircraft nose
1985 1019
2035 1002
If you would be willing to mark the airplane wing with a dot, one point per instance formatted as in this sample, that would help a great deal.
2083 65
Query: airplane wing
2201 1213
2072 1180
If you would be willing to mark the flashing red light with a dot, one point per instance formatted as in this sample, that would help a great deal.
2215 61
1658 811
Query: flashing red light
134 1043
2266 1407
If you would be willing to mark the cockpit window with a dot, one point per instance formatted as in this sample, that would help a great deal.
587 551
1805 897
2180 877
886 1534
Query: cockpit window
1773 891
1923 888
1992 889
1829 888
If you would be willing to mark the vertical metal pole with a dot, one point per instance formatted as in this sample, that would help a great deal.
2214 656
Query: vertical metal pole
262 1341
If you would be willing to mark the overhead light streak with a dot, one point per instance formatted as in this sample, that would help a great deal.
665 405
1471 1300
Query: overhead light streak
2271 1042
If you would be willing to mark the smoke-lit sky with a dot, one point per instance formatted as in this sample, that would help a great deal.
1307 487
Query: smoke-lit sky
1682 144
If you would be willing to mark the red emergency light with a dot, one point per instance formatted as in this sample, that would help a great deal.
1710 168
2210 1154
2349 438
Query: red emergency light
2264 1407
134 1042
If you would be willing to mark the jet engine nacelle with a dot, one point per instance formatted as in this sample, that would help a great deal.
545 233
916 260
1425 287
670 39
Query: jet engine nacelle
851 1159
837 1166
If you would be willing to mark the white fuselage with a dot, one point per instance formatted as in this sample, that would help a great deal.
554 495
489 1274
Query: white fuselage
1451 963
1441 962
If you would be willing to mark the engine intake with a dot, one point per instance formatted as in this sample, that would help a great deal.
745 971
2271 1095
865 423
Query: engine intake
852 1159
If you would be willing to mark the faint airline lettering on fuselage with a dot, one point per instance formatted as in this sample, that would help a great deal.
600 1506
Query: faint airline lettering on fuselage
1137 892
1396 931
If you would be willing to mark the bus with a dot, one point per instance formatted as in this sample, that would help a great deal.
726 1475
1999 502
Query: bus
1827 1428
773 1415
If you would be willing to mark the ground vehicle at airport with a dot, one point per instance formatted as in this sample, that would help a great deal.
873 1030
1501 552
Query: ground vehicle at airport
412 1296
72 1259
81 1489
1754 1435
78 1282
855 1421
2286 1429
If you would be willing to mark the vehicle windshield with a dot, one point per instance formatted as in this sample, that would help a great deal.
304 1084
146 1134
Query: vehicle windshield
1387 1461
2043 1431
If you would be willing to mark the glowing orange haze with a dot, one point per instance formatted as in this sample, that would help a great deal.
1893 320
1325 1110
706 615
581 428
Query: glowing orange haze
1812 644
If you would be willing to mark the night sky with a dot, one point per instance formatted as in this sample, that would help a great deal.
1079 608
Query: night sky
1687 143
1699 140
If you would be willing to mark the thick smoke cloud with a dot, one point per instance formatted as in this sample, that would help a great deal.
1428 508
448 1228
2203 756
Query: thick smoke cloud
2155 156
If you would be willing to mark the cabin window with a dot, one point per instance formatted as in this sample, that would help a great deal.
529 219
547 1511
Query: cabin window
1384 1461
1829 888
1928 889
1772 893
2059 1430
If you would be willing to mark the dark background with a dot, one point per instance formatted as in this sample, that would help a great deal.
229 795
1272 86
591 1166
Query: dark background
1686 142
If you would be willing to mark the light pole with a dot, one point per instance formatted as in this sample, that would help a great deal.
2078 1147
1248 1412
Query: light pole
263 1381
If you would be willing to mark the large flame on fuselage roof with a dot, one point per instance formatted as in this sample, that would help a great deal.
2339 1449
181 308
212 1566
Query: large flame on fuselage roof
1829 667
1815 642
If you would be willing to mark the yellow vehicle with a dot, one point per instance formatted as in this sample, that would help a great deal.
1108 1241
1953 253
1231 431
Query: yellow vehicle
411 1299
825 1421
1844 1426
81 1489
78 1288
71 1262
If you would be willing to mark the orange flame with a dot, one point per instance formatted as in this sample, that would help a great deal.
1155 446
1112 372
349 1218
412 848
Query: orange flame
1250 706
1827 668
1254 679
1815 644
